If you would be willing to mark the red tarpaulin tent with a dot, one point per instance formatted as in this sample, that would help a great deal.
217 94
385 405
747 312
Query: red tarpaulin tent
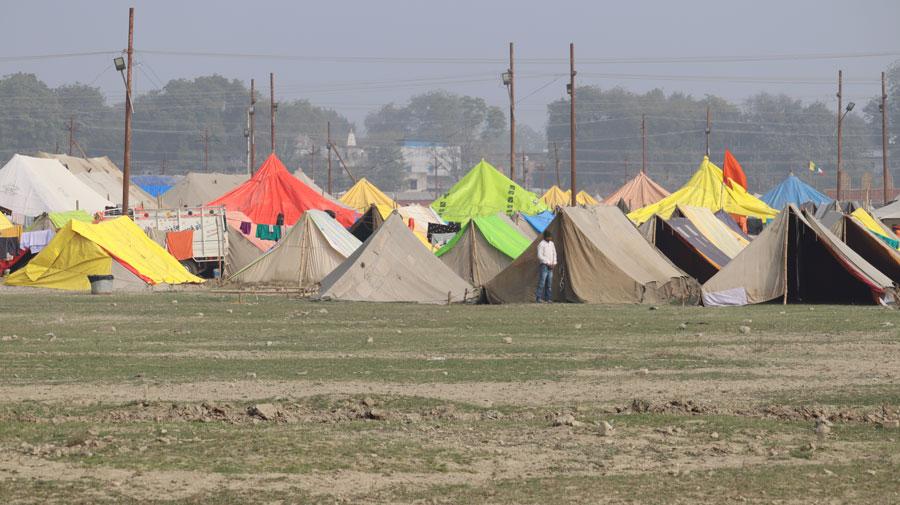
273 190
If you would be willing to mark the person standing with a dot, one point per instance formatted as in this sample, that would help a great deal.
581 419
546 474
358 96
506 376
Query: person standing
546 254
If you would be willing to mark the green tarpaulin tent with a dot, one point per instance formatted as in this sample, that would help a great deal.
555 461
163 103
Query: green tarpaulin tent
484 191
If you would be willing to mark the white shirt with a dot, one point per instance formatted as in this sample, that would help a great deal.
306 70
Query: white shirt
547 253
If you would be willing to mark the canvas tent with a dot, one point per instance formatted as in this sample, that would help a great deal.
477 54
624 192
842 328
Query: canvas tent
362 195
602 259
525 227
797 260
869 245
705 189
31 186
727 238
795 191
875 226
683 243
195 189
640 191
483 247
312 248
117 246
272 191
104 177
484 191
391 266
367 224
889 214
56 220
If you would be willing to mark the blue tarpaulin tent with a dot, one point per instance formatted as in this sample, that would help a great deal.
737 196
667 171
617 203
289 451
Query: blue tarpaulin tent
793 190
154 184
539 221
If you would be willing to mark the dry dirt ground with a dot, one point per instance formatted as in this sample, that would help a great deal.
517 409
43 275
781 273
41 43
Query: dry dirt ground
203 398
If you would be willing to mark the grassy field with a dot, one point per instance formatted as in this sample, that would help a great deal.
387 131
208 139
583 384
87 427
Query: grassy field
198 398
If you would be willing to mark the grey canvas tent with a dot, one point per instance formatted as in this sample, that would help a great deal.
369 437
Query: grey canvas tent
196 189
873 249
313 247
797 260
392 266
602 259
685 246
241 251
483 248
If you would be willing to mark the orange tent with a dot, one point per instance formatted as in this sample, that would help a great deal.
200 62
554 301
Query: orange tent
273 190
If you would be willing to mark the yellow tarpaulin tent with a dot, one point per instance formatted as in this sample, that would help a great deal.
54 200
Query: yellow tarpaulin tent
4 222
81 249
872 224
364 194
705 189
555 197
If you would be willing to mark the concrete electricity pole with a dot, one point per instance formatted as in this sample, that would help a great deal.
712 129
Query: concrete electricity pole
510 80
840 120
252 113
328 145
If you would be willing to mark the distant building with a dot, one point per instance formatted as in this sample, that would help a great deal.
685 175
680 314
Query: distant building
431 165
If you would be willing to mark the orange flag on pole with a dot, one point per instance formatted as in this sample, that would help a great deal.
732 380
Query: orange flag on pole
732 171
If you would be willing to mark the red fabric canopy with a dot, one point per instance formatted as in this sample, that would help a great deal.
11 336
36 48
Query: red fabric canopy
273 190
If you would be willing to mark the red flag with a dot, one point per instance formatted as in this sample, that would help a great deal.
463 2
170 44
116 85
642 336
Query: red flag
732 171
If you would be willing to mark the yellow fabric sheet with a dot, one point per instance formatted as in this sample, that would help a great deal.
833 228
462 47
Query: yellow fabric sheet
4 222
81 249
364 194
705 189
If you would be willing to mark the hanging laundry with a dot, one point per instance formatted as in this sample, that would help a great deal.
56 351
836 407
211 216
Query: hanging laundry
35 241
442 229
180 244
266 232
246 227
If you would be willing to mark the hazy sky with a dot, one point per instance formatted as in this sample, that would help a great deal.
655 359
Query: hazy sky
413 46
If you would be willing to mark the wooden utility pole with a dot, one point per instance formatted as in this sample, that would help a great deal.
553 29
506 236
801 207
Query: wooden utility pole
644 143
512 115
71 129
312 162
252 114
840 109
328 145
435 165
708 130
126 164
885 173
206 149
524 171
273 106
344 165
573 180
556 156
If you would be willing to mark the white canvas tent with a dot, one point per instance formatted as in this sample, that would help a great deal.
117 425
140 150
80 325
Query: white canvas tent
312 248
32 186
104 177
